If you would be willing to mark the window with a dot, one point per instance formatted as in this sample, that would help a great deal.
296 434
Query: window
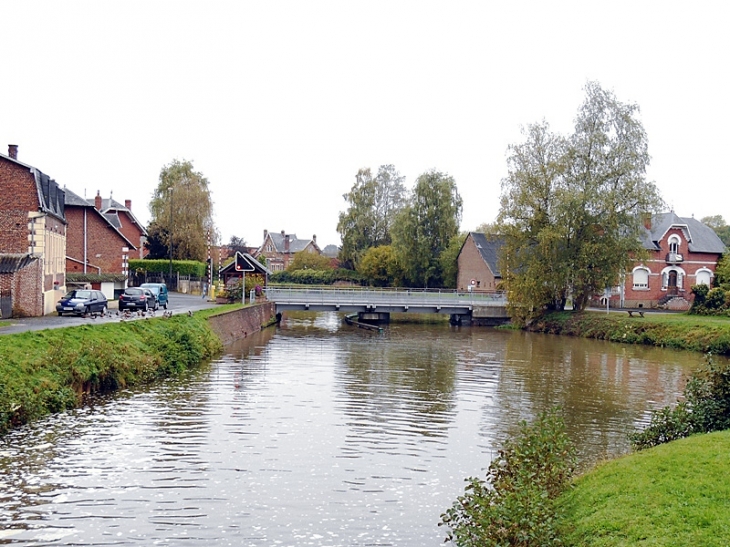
703 276
674 244
641 279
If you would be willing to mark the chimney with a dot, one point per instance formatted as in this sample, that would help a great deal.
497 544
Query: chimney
97 201
282 233
647 221
286 244
128 204
13 151
314 238
266 233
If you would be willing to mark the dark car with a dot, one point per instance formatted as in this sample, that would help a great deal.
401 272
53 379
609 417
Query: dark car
160 292
137 298
82 301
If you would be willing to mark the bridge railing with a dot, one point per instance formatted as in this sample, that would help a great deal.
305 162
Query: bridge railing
393 296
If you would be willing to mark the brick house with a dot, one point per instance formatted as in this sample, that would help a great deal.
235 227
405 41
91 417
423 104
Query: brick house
279 249
478 269
94 245
682 252
121 217
32 238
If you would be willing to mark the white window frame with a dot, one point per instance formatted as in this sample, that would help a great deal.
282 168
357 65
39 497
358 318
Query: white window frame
640 286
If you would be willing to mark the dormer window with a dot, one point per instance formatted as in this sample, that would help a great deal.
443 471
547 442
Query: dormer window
674 242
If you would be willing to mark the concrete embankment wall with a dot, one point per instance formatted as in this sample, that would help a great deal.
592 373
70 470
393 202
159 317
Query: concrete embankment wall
232 325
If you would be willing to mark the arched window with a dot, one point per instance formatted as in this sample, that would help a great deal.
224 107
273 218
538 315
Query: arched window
641 278
674 242
703 276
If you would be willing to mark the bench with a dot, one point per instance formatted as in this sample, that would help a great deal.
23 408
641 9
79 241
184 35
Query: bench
631 312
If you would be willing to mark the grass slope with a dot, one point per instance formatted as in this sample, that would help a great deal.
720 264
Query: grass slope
679 331
51 370
676 494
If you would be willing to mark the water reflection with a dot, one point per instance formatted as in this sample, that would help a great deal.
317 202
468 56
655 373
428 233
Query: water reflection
317 434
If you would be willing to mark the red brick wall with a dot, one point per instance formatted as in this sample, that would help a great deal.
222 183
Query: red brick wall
26 287
471 265
132 232
101 239
16 182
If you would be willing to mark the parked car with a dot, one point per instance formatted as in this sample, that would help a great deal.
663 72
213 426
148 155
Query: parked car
159 290
137 298
81 301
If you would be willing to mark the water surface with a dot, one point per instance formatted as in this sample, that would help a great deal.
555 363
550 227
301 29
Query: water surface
316 433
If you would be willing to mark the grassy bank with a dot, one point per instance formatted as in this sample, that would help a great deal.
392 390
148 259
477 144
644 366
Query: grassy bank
679 331
671 495
52 370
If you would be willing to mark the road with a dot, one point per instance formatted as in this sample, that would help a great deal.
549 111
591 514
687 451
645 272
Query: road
178 303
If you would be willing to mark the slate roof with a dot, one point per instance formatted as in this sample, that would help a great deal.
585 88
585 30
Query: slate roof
489 248
295 244
701 238
74 200
50 195
111 209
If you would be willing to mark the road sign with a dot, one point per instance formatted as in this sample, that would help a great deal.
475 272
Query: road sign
243 264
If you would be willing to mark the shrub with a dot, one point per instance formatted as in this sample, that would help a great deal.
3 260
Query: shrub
515 505
705 408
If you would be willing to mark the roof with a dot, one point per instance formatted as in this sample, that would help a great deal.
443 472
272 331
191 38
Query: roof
331 251
700 237
489 248
74 200
12 262
111 209
295 244
50 196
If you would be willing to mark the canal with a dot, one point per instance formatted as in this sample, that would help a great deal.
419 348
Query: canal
316 433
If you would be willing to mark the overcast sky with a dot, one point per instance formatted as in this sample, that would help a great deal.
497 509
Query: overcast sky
279 104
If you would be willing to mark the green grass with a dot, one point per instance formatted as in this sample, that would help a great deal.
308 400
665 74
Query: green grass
676 494
52 370
679 331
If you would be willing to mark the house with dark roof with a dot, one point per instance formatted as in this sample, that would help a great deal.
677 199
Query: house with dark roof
279 249
478 268
95 244
32 238
121 217
682 252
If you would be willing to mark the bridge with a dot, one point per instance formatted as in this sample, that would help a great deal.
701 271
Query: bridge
377 304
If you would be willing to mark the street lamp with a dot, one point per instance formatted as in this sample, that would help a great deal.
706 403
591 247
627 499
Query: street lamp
169 189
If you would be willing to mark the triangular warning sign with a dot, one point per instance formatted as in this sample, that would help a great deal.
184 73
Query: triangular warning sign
243 264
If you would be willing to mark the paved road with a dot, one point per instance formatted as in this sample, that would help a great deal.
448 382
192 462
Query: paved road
178 303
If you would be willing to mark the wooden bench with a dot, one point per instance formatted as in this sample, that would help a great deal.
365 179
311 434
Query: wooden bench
631 312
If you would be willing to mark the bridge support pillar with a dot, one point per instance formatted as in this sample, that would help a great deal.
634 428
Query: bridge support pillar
373 317
458 319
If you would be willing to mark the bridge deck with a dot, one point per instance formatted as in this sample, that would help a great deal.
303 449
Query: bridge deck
382 300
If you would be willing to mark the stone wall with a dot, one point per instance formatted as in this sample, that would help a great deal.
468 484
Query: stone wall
235 324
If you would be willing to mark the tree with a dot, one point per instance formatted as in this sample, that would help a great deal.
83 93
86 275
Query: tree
374 203
304 260
449 260
182 208
156 243
424 228
238 244
717 223
571 208
379 266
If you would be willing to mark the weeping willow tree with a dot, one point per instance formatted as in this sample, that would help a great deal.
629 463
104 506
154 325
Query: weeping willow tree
182 212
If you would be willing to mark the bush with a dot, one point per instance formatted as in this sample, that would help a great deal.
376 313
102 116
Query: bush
515 506
316 277
183 267
705 408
